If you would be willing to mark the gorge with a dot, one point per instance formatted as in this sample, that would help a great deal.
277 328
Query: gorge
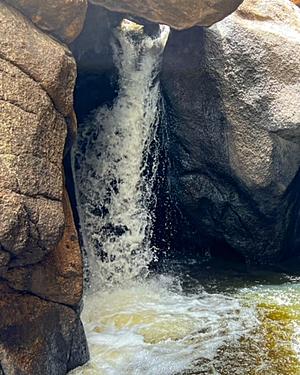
168 218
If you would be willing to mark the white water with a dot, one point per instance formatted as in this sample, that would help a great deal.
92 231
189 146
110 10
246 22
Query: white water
114 182
143 326
153 328
136 326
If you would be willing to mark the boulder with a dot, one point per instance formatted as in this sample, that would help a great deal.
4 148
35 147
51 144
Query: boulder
176 13
35 71
62 18
234 127
40 261
46 62
58 277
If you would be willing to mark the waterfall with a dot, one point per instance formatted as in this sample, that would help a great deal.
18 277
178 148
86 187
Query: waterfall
115 162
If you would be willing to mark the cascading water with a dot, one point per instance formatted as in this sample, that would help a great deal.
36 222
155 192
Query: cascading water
152 326
113 177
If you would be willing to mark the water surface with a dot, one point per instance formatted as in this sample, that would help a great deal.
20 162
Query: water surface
246 324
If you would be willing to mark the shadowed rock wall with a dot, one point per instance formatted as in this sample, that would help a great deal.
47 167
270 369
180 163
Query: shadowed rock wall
234 123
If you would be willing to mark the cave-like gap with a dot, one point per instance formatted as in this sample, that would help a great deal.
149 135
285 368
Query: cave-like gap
97 85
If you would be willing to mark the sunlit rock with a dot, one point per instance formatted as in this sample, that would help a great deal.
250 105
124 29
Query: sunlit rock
39 249
58 277
62 18
177 14
235 135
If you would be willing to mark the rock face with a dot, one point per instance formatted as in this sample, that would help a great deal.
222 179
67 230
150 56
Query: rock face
175 13
39 250
58 277
235 129
38 336
62 18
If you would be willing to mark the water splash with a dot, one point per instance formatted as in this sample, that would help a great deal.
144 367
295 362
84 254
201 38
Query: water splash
114 177
153 328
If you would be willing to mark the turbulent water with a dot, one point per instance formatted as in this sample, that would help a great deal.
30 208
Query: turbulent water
233 327
159 325
114 176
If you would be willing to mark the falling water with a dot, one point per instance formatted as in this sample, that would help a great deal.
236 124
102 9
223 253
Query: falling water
152 326
114 175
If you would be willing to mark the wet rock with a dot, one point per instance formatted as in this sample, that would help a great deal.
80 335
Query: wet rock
37 336
94 57
234 129
62 18
177 14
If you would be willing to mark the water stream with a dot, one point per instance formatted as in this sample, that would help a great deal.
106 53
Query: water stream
139 323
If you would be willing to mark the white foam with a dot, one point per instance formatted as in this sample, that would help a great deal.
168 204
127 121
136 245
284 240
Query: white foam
114 182
150 328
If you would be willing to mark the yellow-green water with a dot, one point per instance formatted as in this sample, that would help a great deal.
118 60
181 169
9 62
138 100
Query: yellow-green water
157 328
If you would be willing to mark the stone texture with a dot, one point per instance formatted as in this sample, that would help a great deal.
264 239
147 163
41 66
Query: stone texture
234 129
62 18
58 277
37 78
175 13
39 250
41 58
38 337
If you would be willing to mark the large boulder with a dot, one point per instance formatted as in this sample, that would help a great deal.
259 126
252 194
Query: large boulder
62 18
234 123
175 13
35 70
40 261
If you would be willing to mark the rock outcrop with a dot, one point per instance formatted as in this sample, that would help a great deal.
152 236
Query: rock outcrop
234 128
176 13
40 260
62 18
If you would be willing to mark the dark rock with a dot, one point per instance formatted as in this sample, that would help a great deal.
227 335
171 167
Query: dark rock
92 50
38 337
232 93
